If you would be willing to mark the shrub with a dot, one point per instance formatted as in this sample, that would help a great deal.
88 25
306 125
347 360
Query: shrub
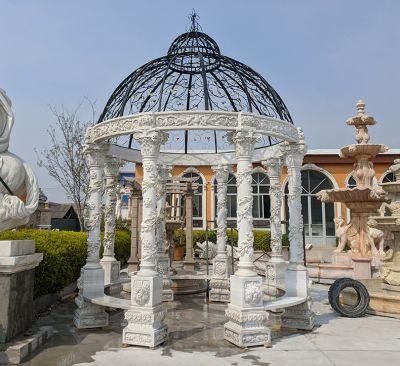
262 238
64 253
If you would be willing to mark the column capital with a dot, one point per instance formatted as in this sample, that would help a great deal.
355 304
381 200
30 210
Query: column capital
221 172
244 141
150 141
273 166
294 154
95 153
111 166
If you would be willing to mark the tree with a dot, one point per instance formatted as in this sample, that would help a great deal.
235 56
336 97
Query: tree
64 159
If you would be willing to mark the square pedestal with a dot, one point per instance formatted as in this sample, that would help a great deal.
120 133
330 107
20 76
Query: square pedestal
17 262
362 268
163 269
90 285
275 273
219 290
146 315
111 270
222 268
299 316
247 318
145 326
247 327
296 281
342 259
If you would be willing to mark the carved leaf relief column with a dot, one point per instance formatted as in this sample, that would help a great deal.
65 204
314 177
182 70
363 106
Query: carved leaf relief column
294 161
110 265
221 264
146 315
276 266
244 142
162 261
247 318
300 316
274 170
91 280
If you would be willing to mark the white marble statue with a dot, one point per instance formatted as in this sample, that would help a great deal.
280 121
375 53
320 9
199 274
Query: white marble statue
16 177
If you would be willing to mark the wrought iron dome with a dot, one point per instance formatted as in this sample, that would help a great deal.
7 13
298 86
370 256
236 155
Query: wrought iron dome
194 75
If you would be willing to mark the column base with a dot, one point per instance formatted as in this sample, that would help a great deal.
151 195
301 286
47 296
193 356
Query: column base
219 290
145 326
247 318
112 274
133 265
299 317
90 285
247 327
188 265
296 280
89 315
275 273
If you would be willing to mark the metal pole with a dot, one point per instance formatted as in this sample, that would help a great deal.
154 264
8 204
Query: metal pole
304 248
207 289
232 256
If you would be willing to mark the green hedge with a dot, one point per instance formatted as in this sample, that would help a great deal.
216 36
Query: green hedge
262 238
64 253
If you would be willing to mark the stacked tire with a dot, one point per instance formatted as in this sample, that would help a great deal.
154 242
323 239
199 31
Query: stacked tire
350 311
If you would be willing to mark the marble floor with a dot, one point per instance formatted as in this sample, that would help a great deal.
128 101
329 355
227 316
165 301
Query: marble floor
196 338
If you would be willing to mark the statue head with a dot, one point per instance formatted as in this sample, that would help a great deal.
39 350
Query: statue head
6 120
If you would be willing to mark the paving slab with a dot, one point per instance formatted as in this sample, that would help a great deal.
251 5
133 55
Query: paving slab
196 338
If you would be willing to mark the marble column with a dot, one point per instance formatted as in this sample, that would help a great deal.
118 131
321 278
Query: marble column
91 280
133 261
162 260
146 314
300 316
222 265
276 266
110 265
247 319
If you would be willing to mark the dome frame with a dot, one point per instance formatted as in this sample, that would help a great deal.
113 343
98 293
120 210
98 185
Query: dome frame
194 75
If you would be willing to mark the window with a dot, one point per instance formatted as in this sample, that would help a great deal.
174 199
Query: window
389 178
197 200
231 199
261 200
318 216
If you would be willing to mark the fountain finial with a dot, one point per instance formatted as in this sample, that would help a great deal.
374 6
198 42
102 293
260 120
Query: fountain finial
361 122
360 107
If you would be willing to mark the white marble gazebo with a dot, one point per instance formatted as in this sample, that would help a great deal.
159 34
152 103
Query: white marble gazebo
194 95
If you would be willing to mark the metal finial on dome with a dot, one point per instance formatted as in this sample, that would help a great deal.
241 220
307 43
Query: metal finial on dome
194 17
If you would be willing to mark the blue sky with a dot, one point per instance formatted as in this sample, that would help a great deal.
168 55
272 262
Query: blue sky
321 57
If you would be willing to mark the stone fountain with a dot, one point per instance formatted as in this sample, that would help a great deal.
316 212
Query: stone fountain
385 292
363 258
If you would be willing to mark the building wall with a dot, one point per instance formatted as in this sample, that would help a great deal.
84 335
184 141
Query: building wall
337 169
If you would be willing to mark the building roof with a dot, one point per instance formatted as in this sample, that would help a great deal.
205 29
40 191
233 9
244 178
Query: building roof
59 210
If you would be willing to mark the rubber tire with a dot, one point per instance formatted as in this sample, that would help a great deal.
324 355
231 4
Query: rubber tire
350 312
